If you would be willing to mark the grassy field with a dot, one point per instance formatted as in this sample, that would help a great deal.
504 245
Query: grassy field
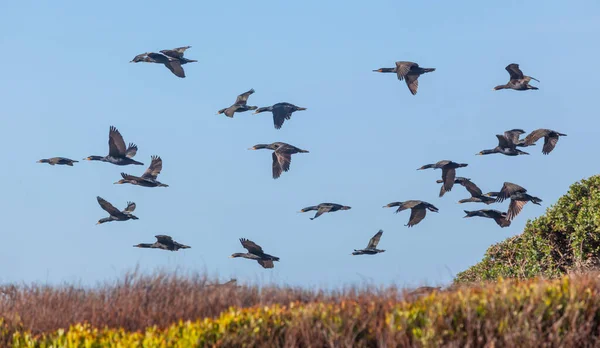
164 311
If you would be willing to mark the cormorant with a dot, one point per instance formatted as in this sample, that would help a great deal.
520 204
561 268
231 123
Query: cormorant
281 112
498 216
517 81
550 139
409 72
371 248
117 153
448 173
324 208
418 210
239 105
116 214
163 242
58 160
255 252
282 155
148 179
518 198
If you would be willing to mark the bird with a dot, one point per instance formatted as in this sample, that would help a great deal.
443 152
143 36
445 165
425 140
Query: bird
498 216
324 208
476 195
255 252
172 59
239 105
163 242
230 283
58 160
507 144
281 112
282 155
117 153
148 179
550 139
517 81
518 198
371 248
409 72
418 210
116 214
448 173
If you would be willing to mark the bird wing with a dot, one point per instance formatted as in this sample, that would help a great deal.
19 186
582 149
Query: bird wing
129 177
130 207
252 247
416 215
513 135
514 208
243 98
266 263
549 144
507 190
154 168
502 220
536 135
473 189
514 71
413 83
502 141
109 208
116 144
322 210
281 163
131 150
375 240
281 114
172 53
402 69
175 66
448 176
164 239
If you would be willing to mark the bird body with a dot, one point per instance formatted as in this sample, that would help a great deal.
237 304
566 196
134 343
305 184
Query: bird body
550 139
371 248
282 156
172 59
255 252
148 179
281 112
498 216
117 153
518 81
507 144
163 242
58 160
448 173
239 105
518 198
116 214
418 210
324 208
409 72
477 195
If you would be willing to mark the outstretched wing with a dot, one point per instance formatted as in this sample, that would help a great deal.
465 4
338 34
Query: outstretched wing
175 52
116 145
514 71
252 247
514 208
502 141
175 66
281 163
375 240
549 144
243 98
513 135
473 189
508 189
109 208
413 83
266 263
280 114
164 239
154 168
416 215
131 150
402 69
448 176
130 207
536 135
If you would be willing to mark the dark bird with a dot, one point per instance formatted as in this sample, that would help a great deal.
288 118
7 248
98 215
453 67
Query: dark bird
281 112
371 248
172 59
507 144
325 208
58 160
550 139
163 242
418 210
255 252
148 179
409 72
517 81
282 156
239 105
498 216
117 153
230 283
476 195
116 214
448 173
518 198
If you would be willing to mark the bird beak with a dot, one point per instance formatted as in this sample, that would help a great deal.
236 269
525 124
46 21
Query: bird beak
385 206
86 159
117 182
231 257
478 154
251 148
38 161
301 109
255 112
98 223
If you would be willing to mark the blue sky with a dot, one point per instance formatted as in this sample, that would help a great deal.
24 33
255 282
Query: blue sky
66 79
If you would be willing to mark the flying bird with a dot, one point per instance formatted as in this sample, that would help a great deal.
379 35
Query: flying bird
507 144
518 198
255 252
58 160
116 214
418 210
324 208
477 195
371 248
239 105
448 173
148 179
409 72
172 59
517 81
117 152
498 216
550 139
163 242
282 156
281 112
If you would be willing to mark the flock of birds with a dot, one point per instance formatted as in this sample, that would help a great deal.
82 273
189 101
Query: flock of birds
508 144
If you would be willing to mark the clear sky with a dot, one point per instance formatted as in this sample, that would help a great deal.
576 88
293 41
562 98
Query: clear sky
66 79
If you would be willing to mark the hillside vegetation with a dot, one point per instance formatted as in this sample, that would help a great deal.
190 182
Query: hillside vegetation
565 239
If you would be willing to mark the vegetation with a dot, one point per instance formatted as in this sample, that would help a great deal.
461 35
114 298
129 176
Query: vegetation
565 239
560 312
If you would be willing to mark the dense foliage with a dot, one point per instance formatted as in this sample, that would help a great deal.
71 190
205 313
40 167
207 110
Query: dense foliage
565 239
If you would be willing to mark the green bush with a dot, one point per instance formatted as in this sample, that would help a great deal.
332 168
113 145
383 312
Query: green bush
565 239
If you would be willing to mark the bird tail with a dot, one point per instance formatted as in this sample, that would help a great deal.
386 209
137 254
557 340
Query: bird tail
469 213
426 70
460 165
163 185
536 200
562 135
303 151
